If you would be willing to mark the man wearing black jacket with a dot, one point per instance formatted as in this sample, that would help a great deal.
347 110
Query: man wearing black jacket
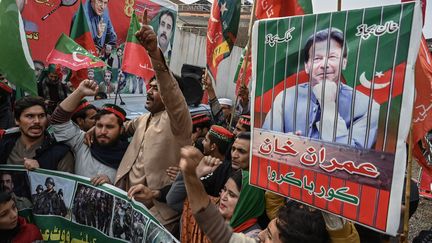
33 141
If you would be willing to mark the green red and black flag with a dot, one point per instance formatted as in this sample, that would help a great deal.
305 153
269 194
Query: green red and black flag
80 33
71 55
136 59
222 32
266 9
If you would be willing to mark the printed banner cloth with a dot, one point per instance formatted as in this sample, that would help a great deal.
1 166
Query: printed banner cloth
108 24
332 104
68 208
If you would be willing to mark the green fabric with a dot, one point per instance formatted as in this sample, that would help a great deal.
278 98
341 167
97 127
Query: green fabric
80 25
251 203
133 28
16 62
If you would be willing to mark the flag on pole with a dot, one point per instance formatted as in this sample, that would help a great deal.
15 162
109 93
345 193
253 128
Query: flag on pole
281 8
222 32
16 62
136 59
80 33
69 54
422 114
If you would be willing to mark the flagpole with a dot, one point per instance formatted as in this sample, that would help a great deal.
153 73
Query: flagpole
408 188
246 59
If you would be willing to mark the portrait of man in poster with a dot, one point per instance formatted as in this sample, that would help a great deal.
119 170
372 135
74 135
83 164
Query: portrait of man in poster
325 108
165 32
99 22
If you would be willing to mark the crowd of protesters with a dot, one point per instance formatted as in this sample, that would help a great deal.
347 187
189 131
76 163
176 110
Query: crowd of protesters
192 172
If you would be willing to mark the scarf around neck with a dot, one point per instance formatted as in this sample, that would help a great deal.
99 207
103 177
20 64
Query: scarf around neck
251 203
110 156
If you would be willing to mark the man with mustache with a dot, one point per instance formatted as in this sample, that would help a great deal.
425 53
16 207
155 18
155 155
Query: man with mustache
165 31
33 142
7 185
158 135
325 100
103 157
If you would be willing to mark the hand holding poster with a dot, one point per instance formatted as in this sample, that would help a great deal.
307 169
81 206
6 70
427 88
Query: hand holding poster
69 208
330 90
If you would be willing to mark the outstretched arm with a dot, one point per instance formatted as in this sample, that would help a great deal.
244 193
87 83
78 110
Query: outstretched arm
172 97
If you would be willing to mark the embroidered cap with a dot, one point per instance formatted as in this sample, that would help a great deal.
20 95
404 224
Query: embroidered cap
221 133
116 110
200 118
245 120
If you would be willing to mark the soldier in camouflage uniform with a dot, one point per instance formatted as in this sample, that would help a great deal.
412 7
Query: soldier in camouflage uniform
50 203
36 196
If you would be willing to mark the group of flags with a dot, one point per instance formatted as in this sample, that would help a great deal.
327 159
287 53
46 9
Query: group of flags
78 52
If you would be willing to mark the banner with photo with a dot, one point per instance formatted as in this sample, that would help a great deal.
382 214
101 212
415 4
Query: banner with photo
332 105
69 208
108 23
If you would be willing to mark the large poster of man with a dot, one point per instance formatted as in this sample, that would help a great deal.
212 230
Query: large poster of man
329 96
108 23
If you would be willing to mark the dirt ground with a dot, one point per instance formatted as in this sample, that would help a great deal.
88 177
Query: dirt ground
422 218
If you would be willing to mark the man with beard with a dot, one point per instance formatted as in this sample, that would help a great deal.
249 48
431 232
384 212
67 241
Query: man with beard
51 88
165 31
7 185
103 157
50 202
158 135
33 143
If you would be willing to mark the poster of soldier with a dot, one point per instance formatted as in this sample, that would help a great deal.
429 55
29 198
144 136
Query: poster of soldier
69 208
329 96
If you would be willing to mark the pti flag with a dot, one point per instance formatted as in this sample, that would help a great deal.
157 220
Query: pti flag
81 34
71 55
222 32
136 59
16 62
330 95
266 9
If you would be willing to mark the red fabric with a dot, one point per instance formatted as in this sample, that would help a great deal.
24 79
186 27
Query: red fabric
245 225
422 114
115 112
277 8
28 232
221 131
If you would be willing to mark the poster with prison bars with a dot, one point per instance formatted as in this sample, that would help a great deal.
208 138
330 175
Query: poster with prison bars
68 208
332 102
